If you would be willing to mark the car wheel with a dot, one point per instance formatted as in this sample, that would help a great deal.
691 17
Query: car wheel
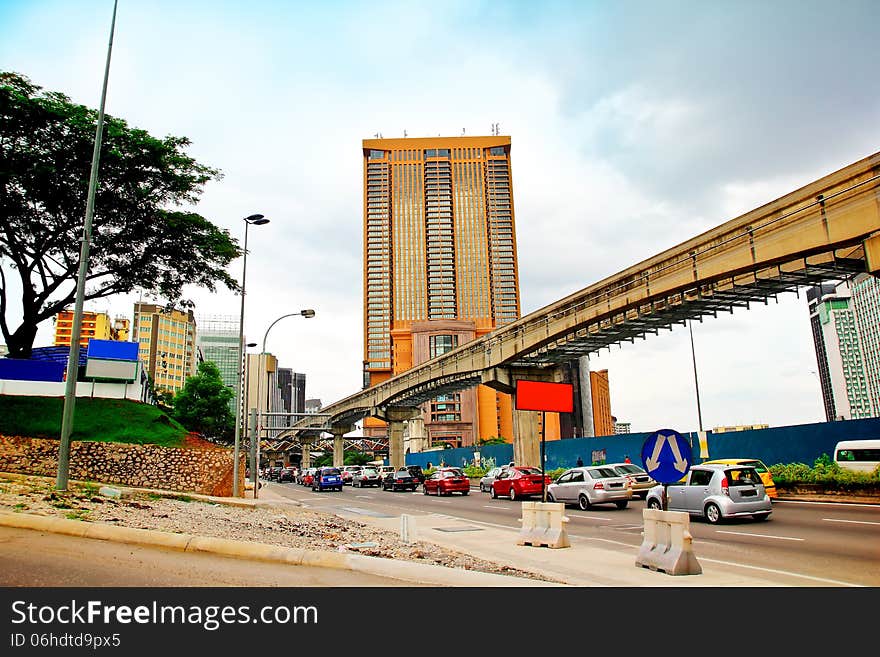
465 492
584 503
512 493
654 503
439 491
550 497
761 516
622 504
494 493
482 489
713 513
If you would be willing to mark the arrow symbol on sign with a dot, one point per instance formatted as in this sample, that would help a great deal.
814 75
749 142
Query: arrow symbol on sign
680 463
653 461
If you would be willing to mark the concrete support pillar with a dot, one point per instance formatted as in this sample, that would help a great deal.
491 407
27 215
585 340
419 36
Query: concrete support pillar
338 451
306 452
418 436
586 397
396 456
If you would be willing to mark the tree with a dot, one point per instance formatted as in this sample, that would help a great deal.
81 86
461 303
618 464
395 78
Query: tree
203 403
139 240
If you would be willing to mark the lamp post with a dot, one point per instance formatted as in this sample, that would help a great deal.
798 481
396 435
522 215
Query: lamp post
696 383
256 220
255 449
61 478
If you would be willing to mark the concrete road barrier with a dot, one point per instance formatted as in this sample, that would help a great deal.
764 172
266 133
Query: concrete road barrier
543 525
668 545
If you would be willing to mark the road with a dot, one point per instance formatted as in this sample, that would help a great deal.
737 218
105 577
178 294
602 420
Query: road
826 543
35 559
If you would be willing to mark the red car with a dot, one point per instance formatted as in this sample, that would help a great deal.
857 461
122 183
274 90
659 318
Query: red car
518 482
446 481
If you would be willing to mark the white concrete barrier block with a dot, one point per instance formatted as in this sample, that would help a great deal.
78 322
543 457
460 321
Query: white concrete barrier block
667 545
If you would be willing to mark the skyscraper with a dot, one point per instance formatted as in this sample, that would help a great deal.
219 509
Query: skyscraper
440 267
845 339
218 341
167 344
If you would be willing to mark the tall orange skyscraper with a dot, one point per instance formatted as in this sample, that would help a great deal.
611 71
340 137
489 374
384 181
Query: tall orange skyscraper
440 268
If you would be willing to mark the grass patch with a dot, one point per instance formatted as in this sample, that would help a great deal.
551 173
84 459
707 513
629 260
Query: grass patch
180 498
18 508
99 420
79 514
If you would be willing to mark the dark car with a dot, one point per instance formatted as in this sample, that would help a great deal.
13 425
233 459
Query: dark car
287 474
327 479
416 472
273 473
400 480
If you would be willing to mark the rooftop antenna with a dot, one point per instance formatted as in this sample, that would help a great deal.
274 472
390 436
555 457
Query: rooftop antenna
462 132
404 132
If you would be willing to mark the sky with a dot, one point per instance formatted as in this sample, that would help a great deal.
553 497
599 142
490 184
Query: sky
634 126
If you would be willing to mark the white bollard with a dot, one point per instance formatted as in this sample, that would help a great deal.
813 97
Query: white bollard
407 528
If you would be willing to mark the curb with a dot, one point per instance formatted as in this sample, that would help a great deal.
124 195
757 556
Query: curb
427 574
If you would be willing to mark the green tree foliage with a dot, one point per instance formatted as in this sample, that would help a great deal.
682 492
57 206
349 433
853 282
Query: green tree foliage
203 404
139 239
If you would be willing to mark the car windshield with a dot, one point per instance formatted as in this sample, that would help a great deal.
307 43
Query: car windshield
369 472
629 468
530 471
757 465
452 473
601 473
402 473
330 471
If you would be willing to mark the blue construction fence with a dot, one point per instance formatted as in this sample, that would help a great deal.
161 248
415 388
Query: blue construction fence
802 443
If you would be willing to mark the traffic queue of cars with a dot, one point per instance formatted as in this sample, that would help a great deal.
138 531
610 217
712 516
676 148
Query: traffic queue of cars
713 490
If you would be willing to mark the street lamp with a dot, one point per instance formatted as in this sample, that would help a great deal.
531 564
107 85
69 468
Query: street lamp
696 382
256 220
255 450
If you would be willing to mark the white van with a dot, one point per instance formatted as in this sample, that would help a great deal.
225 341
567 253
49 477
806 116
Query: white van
857 455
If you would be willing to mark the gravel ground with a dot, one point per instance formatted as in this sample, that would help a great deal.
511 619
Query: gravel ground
293 527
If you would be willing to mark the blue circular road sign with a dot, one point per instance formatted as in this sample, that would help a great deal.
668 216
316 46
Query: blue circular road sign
666 455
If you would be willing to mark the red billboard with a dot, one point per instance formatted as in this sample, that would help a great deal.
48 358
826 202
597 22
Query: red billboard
540 396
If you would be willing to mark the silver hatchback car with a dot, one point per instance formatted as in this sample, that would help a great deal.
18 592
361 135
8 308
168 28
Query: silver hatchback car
591 485
716 492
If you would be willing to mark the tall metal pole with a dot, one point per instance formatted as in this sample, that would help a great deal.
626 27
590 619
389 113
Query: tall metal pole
696 382
255 452
238 401
73 356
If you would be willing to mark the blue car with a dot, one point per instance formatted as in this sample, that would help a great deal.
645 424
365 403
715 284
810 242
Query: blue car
327 479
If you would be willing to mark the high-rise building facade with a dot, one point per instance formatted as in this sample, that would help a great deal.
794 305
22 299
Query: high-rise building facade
839 351
440 267
218 342
167 340
866 308
94 325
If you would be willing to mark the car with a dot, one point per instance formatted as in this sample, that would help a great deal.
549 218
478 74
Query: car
385 470
347 472
327 479
763 470
273 472
287 474
591 485
715 492
416 472
487 479
857 455
366 477
399 480
519 481
446 481
308 476
640 480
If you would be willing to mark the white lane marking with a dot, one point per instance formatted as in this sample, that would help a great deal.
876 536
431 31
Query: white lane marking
313 498
825 503
577 515
489 506
855 522
781 538
365 497
775 571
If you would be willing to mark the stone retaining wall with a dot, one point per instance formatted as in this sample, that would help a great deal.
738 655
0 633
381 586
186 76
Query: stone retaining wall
204 470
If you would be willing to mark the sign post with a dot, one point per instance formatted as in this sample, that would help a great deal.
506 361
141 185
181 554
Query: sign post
540 396
667 457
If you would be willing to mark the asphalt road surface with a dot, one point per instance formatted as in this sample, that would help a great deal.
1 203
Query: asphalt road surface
827 543
32 558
